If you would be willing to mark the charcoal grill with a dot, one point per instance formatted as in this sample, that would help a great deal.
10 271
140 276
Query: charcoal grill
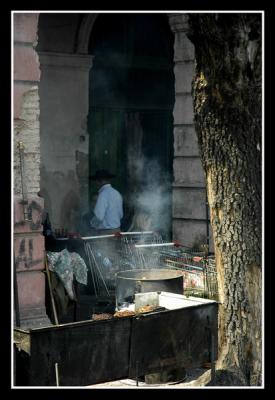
184 335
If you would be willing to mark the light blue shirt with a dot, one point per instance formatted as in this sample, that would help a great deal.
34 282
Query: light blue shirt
108 210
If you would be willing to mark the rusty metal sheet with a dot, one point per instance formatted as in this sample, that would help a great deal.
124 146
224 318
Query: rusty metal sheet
86 353
175 338
90 352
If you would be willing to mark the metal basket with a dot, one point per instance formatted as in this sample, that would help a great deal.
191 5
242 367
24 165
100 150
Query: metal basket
110 254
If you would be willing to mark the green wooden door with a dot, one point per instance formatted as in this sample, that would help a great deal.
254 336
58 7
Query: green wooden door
109 149
106 148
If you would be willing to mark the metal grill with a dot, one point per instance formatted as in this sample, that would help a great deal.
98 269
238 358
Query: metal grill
103 254
198 269
131 256
109 254
191 264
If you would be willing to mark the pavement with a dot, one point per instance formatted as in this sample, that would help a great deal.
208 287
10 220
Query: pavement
196 377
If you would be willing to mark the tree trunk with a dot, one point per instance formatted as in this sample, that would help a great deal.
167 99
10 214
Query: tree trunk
227 107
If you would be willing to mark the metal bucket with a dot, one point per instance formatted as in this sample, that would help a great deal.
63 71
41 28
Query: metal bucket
130 282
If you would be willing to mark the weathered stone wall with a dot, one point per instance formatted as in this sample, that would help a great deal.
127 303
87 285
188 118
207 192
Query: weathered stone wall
26 102
29 262
64 138
189 196
27 132
28 239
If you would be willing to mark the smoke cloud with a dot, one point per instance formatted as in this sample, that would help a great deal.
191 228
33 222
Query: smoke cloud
152 198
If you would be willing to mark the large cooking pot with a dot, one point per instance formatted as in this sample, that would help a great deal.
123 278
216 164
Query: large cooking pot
130 282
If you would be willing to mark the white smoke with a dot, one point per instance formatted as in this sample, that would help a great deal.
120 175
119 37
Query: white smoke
149 183
152 200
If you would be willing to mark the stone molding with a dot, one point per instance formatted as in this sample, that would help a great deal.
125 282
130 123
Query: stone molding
178 22
85 33
64 60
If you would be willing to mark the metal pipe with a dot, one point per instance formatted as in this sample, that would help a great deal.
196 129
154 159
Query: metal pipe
56 374
98 237
16 301
111 235
155 244
136 233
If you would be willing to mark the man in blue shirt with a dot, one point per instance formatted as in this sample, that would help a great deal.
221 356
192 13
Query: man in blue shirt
108 210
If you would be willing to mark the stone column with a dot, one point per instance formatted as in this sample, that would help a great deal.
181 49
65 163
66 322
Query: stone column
64 107
29 262
28 238
189 195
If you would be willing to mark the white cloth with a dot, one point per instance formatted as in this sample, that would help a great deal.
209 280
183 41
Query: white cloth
108 210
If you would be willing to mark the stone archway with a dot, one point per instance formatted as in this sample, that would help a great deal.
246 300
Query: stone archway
189 199
131 102
39 123
190 215
84 33
63 114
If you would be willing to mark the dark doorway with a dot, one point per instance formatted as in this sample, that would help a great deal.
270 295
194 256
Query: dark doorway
131 99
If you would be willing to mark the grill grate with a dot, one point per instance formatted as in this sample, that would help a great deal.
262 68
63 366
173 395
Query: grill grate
110 254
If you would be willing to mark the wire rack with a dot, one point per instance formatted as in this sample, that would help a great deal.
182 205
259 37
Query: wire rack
103 255
133 255
191 264
198 269
110 254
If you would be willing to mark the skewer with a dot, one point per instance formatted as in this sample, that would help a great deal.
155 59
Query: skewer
99 271
91 269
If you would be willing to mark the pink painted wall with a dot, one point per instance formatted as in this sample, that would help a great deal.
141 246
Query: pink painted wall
29 243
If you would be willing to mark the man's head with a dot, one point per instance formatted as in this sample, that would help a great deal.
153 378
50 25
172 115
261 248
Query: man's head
101 177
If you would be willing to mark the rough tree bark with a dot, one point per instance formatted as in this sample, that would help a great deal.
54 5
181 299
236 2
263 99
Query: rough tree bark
227 107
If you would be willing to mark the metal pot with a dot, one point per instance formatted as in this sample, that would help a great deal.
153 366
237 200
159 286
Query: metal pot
130 282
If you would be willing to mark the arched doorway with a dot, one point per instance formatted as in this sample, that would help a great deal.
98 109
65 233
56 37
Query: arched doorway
131 100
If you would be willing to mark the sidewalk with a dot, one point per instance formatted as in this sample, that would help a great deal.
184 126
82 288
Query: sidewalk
195 378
